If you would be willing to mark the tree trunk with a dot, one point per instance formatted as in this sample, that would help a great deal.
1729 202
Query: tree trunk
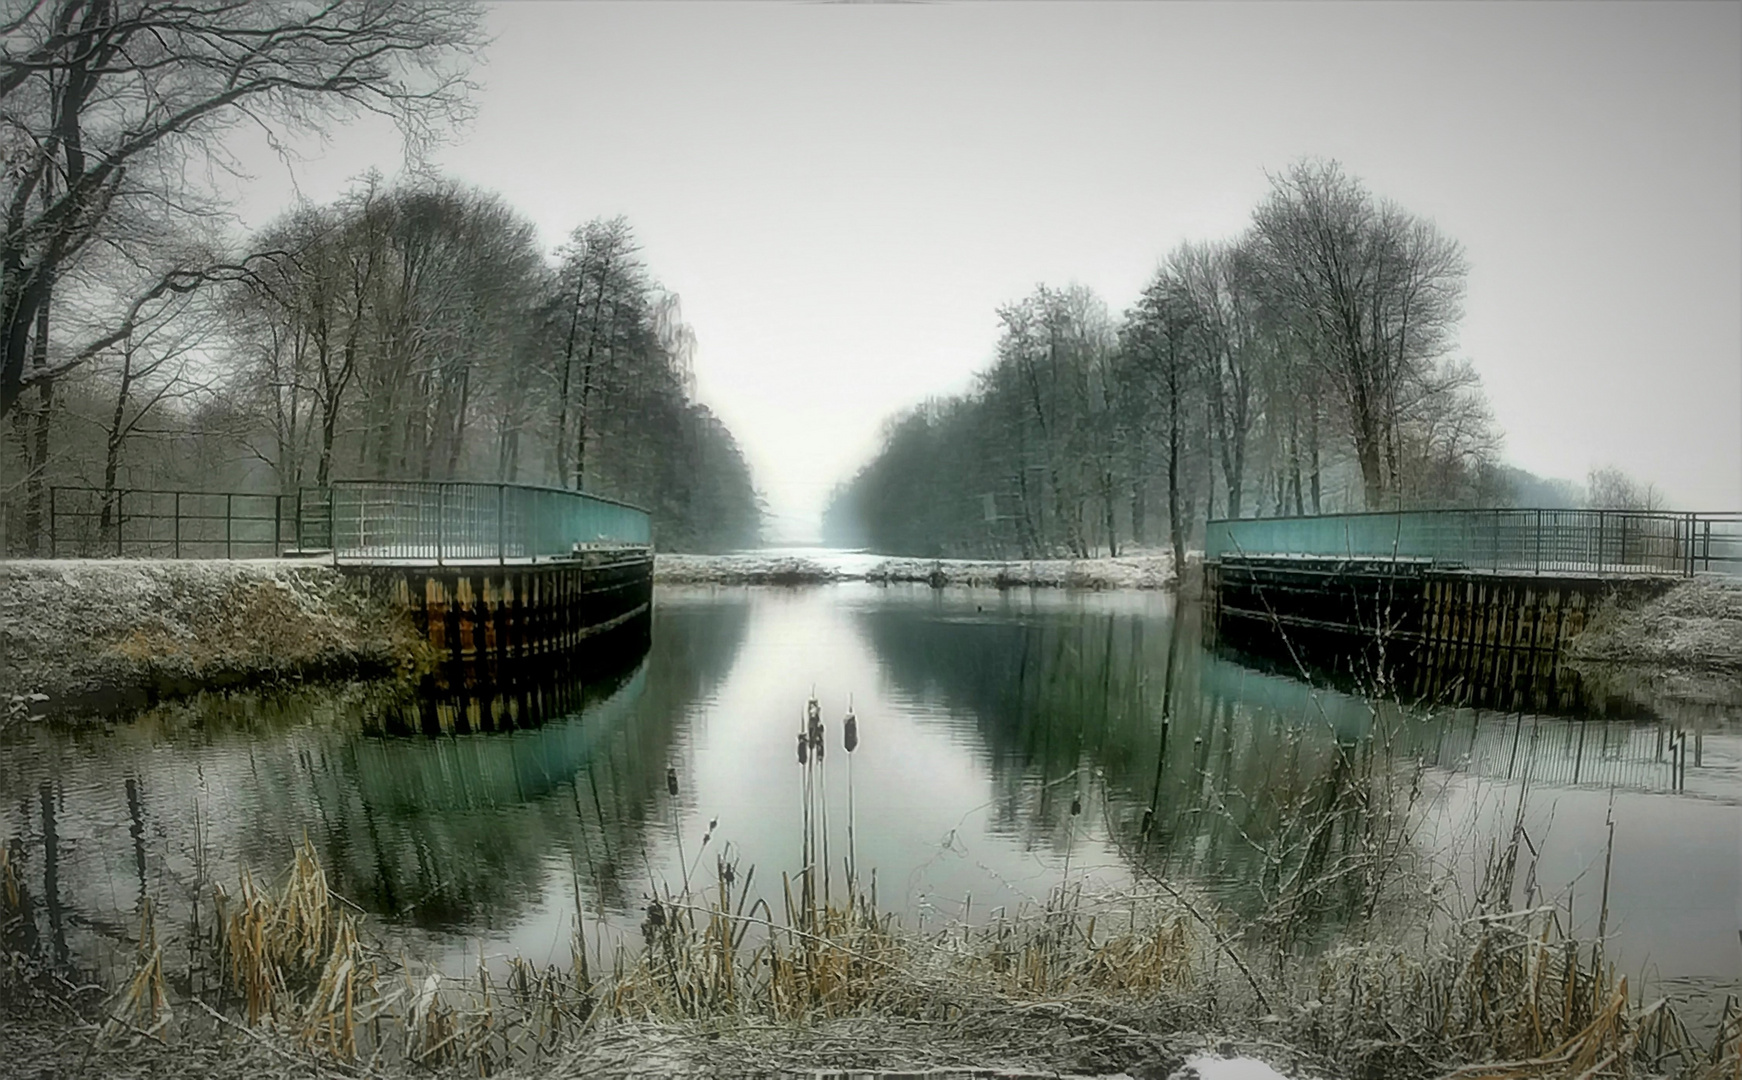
1109 502
36 463
1209 468
1175 522
36 469
117 435
329 425
459 432
1139 510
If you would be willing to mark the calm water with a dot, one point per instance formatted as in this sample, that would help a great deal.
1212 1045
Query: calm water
982 717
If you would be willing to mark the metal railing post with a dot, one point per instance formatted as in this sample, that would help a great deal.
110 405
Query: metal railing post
441 492
277 524
1538 560
332 525
175 543
52 536
501 524
120 519
229 508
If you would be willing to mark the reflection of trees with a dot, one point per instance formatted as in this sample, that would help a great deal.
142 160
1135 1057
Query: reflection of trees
464 830
437 831
1225 768
1292 803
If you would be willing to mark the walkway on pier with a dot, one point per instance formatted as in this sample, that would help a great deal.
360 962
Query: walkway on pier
350 522
1563 543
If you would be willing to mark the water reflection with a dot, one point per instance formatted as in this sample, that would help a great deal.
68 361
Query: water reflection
503 811
439 835
1199 760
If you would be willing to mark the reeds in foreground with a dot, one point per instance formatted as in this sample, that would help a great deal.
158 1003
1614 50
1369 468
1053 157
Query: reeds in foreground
1501 993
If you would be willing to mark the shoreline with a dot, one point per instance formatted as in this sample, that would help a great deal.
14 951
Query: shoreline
1140 572
117 635
1682 649
86 635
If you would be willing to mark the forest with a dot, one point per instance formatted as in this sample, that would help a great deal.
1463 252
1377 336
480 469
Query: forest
1305 366
406 330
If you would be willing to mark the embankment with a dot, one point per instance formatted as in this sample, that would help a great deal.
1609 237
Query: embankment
1683 647
120 633
1139 572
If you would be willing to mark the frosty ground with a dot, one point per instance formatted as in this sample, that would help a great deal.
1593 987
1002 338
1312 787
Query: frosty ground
818 567
104 633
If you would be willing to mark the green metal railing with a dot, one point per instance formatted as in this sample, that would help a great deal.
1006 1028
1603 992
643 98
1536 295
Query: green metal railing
90 522
1519 540
353 520
457 522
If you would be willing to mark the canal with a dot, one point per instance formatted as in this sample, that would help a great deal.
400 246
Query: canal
1008 741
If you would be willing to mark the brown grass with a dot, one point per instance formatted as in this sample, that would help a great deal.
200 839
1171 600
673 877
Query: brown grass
1077 982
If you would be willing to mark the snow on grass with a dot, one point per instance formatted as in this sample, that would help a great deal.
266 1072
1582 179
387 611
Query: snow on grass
824 567
1226 1068
1696 625
91 629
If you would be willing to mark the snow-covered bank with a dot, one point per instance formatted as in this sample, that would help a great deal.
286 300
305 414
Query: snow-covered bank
821 568
1696 625
1679 653
106 632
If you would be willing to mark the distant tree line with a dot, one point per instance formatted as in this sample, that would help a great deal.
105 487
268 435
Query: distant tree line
418 333
1302 367
407 332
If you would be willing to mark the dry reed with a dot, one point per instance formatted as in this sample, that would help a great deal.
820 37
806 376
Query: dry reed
1499 994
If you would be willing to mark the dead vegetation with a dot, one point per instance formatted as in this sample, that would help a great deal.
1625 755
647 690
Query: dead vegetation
126 631
1697 626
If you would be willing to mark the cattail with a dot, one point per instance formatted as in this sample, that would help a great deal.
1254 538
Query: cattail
851 734
655 921
817 739
671 780
803 748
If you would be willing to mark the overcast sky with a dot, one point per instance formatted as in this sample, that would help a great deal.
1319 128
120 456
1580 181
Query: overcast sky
843 194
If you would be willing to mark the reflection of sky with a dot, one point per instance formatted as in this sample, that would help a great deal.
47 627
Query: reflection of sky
1675 880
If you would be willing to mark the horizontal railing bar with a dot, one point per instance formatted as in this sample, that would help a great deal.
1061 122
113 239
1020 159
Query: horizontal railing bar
184 493
1668 515
1497 538
486 485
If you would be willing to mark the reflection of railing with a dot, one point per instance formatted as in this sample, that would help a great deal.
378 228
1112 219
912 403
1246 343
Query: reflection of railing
1534 541
443 522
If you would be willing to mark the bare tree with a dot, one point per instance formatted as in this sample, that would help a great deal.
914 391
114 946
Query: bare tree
106 104
1380 288
1166 381
152 368
1609 488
